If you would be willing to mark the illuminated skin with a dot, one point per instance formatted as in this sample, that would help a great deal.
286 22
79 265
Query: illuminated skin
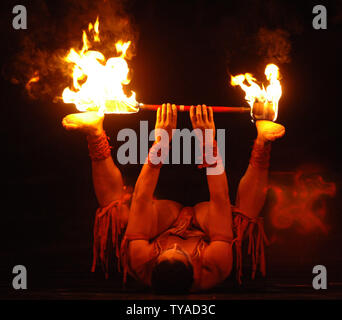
253 186
213 217
107 178
174 254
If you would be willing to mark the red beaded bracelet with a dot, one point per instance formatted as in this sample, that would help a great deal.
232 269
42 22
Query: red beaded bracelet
99 148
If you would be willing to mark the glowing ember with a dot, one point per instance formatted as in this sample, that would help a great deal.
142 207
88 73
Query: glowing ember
97 83
34 79
263 102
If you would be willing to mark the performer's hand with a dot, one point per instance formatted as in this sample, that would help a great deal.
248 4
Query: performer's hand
166 119
202 118
269 131
90 122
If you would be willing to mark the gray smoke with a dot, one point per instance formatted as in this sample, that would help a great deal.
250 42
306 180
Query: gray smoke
50 36
274 45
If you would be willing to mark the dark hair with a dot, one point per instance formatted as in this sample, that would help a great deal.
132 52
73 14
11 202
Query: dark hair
172 276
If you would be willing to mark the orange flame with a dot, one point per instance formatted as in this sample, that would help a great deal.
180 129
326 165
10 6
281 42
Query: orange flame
97 83
269 96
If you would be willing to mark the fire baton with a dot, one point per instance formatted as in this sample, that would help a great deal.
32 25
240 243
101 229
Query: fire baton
182 108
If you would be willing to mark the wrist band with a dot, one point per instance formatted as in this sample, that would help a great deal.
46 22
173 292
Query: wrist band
99 148
156 157
211 156
260 157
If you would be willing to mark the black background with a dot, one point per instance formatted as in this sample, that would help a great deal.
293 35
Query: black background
184 53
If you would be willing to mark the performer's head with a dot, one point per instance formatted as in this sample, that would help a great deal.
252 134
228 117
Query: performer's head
173 272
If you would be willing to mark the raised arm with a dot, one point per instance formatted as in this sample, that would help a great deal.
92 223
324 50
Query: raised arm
142 207
219 210
107 179
216 218
143 214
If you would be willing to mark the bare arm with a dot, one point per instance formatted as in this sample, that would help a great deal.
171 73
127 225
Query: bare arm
142 215
219 210
217 257
217 264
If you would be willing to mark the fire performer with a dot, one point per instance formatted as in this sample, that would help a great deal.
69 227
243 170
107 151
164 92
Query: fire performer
176 249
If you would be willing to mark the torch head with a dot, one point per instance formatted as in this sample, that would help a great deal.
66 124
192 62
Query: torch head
263 111
263 101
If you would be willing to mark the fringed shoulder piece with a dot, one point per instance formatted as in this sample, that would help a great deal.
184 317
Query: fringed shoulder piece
253 229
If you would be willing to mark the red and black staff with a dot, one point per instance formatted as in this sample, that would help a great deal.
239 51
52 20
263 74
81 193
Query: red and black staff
219 109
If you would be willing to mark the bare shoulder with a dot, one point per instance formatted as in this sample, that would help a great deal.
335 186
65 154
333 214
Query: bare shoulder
202 206
139 251
136 245
217 264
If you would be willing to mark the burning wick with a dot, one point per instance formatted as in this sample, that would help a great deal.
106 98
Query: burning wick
263 102
97 82
263 111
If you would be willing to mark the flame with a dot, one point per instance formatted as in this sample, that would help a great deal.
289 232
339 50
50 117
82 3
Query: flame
254 93
97 83
95 27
